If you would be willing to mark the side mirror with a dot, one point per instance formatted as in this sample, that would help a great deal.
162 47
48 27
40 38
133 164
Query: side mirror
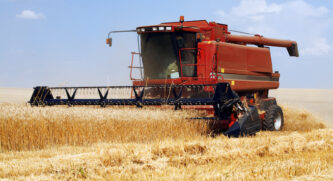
109 41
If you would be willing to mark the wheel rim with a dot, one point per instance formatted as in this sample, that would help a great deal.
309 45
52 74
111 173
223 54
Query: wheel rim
277 122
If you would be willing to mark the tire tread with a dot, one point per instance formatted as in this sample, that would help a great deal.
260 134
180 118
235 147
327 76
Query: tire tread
268 122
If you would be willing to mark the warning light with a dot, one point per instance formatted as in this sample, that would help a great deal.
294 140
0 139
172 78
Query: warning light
181 19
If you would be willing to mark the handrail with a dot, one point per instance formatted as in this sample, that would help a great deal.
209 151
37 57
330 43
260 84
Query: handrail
180 60
131 67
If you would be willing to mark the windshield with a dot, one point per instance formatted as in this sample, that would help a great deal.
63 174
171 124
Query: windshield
160 54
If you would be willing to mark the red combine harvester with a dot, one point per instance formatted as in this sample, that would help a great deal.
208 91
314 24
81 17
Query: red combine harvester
193 64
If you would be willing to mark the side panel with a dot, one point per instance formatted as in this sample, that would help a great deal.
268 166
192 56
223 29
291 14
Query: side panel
245 68
259 60
242 59
206 60
231 57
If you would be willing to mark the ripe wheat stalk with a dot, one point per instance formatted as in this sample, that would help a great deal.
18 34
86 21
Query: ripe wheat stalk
29 128
122 143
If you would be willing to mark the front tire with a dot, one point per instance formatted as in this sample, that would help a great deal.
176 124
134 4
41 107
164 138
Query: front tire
273 119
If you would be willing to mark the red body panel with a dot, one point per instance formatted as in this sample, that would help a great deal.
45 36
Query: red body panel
222 57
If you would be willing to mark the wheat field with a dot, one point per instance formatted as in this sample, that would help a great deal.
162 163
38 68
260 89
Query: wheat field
114 143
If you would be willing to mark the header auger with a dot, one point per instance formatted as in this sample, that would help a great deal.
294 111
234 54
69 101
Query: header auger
193 64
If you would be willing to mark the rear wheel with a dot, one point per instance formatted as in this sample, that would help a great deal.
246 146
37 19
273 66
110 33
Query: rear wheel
273 119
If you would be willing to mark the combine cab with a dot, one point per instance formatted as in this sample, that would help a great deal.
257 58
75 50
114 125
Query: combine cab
193 64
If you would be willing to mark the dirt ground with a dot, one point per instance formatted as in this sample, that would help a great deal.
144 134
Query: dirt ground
15 95
317 101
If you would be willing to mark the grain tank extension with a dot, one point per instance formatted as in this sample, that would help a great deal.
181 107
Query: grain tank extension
193 64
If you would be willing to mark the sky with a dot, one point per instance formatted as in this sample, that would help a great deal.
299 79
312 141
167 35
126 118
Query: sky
62 43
